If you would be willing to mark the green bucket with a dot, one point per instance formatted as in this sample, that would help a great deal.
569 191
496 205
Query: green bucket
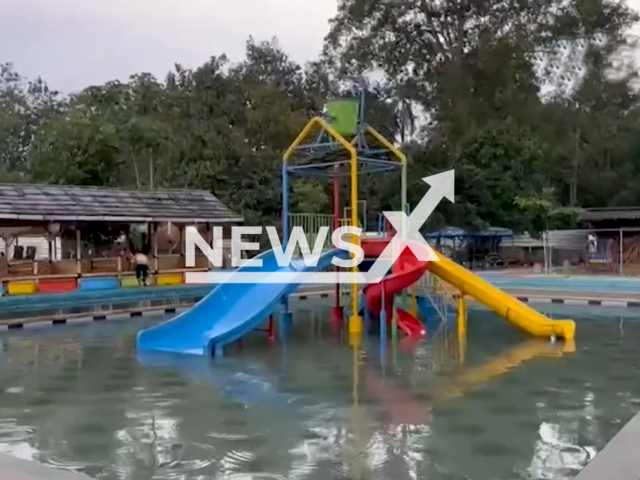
343 115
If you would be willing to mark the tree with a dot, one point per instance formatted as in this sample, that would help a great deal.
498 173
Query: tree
461 87
544 212
24 105
471 66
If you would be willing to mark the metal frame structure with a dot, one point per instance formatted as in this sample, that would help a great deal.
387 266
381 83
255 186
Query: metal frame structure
330 154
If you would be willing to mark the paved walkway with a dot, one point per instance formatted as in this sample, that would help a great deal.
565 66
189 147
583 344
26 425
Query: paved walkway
595 298
566 294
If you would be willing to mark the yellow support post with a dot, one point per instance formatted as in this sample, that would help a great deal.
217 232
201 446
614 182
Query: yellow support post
462 314
414 302
355 321
462 328
355 343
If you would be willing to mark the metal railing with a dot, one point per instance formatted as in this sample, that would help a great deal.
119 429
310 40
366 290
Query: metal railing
311 224
440 293
450 336
448 346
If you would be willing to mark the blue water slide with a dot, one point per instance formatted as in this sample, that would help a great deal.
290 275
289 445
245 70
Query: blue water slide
229 312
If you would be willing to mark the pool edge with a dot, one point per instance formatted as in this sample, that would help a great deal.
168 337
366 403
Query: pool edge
619 459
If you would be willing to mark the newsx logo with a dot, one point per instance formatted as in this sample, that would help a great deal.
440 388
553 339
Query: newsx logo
408 236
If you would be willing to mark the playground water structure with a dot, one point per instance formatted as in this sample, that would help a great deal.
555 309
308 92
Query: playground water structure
345 145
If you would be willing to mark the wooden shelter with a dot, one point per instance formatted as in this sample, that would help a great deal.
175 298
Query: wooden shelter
618 236
94 229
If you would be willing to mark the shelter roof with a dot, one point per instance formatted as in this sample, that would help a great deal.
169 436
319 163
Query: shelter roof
600 214
62 203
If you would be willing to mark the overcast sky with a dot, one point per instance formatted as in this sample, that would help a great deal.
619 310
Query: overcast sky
76 43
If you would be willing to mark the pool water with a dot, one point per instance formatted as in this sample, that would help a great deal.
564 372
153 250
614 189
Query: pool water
78 397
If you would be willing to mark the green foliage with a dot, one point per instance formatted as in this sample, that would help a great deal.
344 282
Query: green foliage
24 105
469 65
523 160
308 197
543 212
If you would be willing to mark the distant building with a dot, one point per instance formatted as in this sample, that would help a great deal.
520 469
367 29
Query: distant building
36 248
54 230
610 218
614 231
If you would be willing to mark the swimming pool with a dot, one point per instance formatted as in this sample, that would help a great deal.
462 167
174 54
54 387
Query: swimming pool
77 397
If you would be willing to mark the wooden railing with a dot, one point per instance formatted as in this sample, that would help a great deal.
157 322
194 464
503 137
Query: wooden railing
113 266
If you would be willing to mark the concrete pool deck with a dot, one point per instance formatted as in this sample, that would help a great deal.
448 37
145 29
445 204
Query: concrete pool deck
605 299
570 283
611 291
619 459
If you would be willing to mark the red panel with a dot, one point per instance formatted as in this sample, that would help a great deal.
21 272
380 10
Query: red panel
410 324
406 271
57 285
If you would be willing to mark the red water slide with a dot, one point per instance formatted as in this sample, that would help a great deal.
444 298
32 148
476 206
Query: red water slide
405 272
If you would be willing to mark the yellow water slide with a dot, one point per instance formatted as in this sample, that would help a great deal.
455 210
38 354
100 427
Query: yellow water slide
508 307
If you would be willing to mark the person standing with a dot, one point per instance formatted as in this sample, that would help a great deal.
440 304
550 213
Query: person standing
141 263
4 266
593 244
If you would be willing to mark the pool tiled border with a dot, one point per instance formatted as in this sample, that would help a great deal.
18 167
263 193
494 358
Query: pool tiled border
175 304
585 302
121 314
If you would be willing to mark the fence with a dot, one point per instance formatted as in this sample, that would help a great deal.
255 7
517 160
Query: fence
362 214
594 251
311 224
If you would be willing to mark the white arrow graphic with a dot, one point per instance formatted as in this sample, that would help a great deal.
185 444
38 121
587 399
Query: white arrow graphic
442 186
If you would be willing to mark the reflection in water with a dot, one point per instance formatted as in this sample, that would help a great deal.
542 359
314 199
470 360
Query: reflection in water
504 362
78 398
558 451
